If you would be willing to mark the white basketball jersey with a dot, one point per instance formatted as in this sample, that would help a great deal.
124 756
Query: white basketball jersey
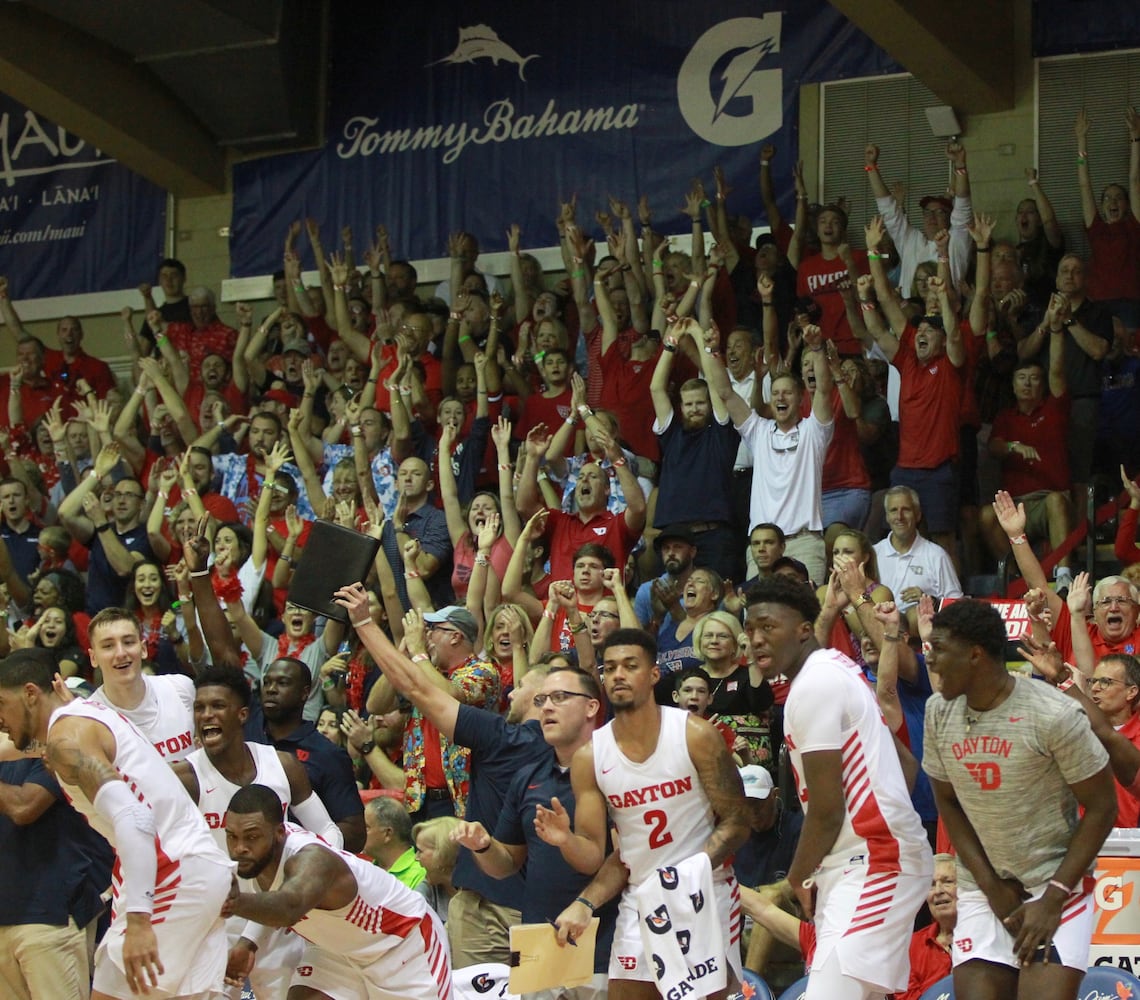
382 915
831 707
165 716
659 806
180 830
215 790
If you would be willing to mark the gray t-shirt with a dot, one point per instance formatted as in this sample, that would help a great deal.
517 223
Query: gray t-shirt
1011 769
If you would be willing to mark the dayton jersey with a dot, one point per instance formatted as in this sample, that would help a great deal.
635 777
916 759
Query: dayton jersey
215 790
180 830
382 915
831 707
165 716
659 807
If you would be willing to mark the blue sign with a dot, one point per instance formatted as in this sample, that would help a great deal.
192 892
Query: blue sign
449 115
72 220
1061 27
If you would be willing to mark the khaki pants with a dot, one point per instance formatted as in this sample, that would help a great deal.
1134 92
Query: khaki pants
479 931
41 960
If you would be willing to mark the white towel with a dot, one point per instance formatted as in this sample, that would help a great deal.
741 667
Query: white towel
680 929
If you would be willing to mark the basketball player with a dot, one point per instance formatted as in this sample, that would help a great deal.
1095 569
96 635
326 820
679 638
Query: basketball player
863 864
672 791
170 880
161 707
370 937
1010 760
212 774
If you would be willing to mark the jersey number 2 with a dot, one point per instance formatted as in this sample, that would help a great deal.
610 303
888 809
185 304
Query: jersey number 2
658 835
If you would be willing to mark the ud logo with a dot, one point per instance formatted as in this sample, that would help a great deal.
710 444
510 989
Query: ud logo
304 970
658 921
628 962
965 945
668 877
684 938
986 773
698 899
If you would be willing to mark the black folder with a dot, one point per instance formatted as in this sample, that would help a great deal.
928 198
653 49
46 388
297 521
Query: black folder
332 558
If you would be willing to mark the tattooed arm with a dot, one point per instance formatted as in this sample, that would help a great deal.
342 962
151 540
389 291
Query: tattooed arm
81 752
721 782
315 879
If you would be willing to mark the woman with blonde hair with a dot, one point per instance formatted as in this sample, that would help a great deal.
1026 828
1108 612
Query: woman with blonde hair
436 851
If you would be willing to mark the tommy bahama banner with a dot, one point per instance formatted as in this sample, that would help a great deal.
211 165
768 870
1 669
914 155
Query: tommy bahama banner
450 115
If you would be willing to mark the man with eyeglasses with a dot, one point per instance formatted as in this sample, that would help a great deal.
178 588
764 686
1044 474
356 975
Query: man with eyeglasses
1112 626
1115 689
116 542
570 708
483 910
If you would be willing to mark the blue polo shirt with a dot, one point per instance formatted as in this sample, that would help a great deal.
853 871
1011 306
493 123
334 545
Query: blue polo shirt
22 548
327 765
555 884
696 472
105 588
499 750
54 868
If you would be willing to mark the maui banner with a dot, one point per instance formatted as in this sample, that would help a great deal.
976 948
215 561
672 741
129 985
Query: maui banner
72 220
475 115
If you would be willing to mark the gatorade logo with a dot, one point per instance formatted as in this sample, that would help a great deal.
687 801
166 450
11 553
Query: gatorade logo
724 93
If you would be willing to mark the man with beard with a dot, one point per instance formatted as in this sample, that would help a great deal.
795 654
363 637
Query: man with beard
698 454
214 772
243 475
481 913
1025 790
666 781
214 375
368 935
171 878
656 599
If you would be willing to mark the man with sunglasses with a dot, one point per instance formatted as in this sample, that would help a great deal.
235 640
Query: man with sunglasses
481 913
570 707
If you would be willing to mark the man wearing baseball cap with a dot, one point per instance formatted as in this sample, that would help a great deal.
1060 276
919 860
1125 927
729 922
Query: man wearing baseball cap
767 854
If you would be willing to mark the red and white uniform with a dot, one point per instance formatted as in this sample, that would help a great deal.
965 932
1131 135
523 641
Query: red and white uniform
663 817
878 871
193 874
278 952
385 943
165 716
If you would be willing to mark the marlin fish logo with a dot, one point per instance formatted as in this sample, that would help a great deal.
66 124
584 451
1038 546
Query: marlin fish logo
737 73
481 42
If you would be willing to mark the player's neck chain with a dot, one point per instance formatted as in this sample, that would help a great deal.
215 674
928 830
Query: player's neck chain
974 714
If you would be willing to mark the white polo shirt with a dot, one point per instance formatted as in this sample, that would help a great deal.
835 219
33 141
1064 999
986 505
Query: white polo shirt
927 566
788 480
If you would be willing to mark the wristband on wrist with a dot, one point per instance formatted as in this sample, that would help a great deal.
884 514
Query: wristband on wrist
874 255
586 903
504 466
580 273
1019 539
189 492
892 638
1081 159
548 614
871 167
1057 883
867 306
482 850
992 335
106 526
658 263
411 574
482 560
199 572
960 171
421 658
163 494
618 463
465 338
362 623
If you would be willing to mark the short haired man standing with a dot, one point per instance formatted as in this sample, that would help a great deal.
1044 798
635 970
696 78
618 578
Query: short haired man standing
1025 791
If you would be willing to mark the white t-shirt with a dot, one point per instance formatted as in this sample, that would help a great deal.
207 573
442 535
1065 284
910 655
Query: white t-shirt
831 707
165 716
788 480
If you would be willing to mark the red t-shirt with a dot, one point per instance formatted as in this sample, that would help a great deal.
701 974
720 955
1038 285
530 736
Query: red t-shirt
36 400
625 393
567 533
217 338
561 638
94 372
1063 637
196 392
538 409
594 376
818 277
843 466
1113 270
1045 429
1127 807
433 377
930 397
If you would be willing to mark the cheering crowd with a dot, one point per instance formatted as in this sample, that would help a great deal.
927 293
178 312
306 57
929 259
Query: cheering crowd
668 552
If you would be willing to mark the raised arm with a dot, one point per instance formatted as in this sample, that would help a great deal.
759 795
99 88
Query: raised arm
1084 180
1133 162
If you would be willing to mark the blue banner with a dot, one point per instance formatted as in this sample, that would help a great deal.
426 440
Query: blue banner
72 220
450 115
1061 27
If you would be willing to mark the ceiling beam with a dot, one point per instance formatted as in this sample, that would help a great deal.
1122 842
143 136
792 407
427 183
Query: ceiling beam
100 94
963 51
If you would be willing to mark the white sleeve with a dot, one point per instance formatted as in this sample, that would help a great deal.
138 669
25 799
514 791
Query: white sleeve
315 818
947 576
134 828
815 713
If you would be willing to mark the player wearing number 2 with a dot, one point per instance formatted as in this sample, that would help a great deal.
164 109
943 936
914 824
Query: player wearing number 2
672 791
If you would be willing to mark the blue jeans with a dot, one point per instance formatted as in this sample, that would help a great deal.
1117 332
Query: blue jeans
848 506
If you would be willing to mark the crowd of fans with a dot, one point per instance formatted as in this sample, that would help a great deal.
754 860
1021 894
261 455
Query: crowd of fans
547 460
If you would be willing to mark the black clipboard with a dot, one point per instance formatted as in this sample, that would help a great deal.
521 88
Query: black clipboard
333 557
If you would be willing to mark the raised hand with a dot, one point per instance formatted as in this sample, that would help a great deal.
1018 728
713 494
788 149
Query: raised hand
107 459
873 233
1081 128
1010 515
488 533
956 153
536 526
196 548
472 835
1080 596
501 434
538 442
871 155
